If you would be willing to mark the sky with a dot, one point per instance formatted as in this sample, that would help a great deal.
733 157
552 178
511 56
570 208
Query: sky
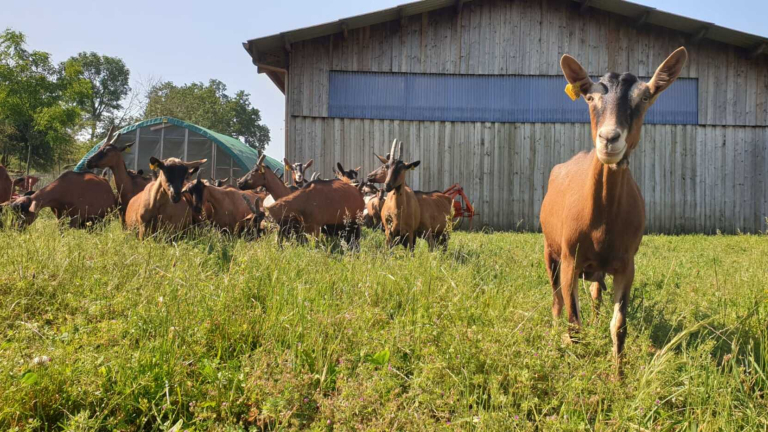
191 40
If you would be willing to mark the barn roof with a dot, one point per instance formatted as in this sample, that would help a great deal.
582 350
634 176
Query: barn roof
754 44
244 155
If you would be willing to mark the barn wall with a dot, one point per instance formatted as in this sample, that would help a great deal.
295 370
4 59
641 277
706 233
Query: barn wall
528 37
693 178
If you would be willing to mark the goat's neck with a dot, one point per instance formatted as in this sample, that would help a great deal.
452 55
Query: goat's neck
606 184
275 186
157 194
122 181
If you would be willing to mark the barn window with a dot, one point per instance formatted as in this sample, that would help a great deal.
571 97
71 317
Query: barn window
492 98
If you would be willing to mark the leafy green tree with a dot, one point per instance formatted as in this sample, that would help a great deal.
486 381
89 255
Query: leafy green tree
39 104
211 107
109 78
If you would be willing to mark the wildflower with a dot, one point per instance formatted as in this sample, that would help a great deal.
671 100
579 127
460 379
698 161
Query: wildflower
42 360
306 400
476 419
517 417
658 402
328 422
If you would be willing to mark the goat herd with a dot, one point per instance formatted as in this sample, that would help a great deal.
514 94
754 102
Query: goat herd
592 216
175 200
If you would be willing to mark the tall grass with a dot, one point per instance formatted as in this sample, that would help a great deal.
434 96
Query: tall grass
103 332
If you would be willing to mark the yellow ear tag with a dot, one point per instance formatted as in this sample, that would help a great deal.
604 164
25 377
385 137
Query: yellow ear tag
572 91
288 167
153 167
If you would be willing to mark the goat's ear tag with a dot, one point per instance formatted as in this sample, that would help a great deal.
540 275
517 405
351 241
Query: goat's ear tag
572 91
288 167
153 167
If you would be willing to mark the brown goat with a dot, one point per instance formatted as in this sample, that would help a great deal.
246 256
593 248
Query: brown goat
127 183
350 175
6 185
435 208
225 208
83 197
159 204
593 214
330 206
400 213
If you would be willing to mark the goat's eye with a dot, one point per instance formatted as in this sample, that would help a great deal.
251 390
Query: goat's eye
646 98
589 98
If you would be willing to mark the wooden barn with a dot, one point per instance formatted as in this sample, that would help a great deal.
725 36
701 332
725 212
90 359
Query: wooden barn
475 91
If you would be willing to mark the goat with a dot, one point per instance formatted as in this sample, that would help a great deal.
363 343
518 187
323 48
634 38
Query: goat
127 182
400 213
297 171
225 208
593 214
329 206
351 175
221 183
24 184
83 197
374 199
6 185
159 204
435 208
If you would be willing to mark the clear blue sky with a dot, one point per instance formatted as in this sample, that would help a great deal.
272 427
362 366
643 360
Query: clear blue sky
186 41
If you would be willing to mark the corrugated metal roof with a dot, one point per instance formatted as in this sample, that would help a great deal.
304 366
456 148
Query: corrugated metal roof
625 8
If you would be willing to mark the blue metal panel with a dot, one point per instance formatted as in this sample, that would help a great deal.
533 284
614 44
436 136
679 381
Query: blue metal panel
494 98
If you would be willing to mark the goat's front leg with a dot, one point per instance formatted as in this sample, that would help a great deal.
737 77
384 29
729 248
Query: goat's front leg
622 285
596 289
569 287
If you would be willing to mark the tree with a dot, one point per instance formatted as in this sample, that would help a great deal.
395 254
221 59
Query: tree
109 79
39 103
209 106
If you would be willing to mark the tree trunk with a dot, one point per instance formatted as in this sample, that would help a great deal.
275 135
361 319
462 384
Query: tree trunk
29 155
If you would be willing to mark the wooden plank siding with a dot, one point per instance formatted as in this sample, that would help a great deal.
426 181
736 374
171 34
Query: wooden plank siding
705 178
528 37
693 178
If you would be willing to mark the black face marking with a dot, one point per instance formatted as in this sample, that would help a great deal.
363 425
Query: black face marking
175 175
395 171
617 99
196 190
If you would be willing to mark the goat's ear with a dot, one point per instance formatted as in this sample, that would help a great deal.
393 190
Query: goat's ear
357 169
412 165
575 74
668 72
33 207
192 171
384 160
127 146
341 168
140 172
29 193
156 163
195 164
309 164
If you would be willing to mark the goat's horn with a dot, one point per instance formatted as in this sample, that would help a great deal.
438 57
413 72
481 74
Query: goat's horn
392 154
111 132
399 150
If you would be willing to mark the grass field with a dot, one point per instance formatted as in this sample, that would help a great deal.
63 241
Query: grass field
103 332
